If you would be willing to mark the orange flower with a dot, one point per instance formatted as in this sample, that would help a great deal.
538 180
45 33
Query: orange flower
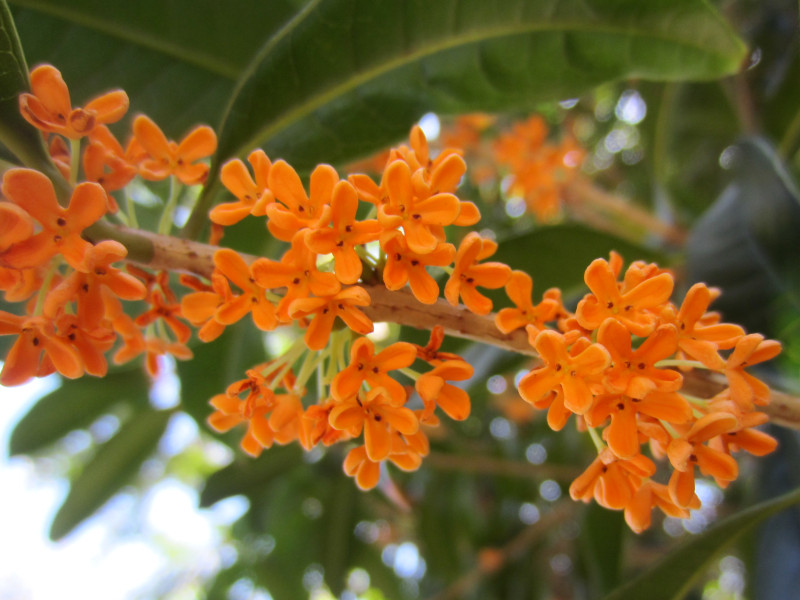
253 298
37 341
575 370
297 272
689 450
49 108
297 210
612 481
633 307
165 157
420 218
85 286
650 494
633 372
366 366
746 389
105 162
169 310
155 347
61 227
91 345
325 310
366 472
252 197
467 274
16 225
346 232
318 428
432 387
378 414
519 289
405 266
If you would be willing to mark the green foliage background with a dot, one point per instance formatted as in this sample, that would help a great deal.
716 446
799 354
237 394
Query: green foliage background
335 80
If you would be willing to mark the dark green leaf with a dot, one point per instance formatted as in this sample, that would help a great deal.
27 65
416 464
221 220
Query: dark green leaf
112 466
601 545
675 575
249 475
75 405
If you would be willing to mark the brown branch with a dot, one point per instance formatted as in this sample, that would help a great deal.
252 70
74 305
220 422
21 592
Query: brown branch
164 252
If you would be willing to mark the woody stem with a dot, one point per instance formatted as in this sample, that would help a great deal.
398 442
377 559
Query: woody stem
161 252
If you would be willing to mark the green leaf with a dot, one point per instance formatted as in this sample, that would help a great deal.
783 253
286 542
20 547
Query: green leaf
675 575
75 405
247 475
345 76
15 133
601 544
112 466
557 256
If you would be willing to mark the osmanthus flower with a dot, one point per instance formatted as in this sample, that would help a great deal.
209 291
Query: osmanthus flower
519 289
690 450
430 352
432 387
612 481
49 108
85 286
378 415
406 266
295 209
346 232
105 162
358 465
252 195
166 157
746 389
156 347
746 437
16 225
576 369
162 307
467 274
366 366
253 298
90 344
633 371
19 284
323 312
232 410
638 511
317 427
421 219
200 306
622 434
697 338
61 227
37 341
635 307
297 272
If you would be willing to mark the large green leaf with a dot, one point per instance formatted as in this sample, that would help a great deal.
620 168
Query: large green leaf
112 466
675 575
75 405
347 75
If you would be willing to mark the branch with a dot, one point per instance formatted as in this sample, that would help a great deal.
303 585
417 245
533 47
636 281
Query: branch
163 252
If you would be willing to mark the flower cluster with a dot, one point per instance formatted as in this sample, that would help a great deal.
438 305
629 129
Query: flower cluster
68 290
341 234
617 363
